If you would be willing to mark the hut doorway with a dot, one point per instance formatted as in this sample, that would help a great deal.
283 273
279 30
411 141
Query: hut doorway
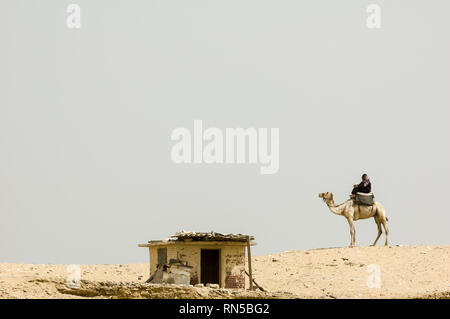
210 266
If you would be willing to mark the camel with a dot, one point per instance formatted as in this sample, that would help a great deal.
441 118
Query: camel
354 212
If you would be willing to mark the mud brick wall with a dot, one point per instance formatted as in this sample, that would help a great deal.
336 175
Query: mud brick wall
233 267
185 253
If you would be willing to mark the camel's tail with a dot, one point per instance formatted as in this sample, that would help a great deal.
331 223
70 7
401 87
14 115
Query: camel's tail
387 219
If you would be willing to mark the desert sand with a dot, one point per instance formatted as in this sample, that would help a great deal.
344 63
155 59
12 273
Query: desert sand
404 272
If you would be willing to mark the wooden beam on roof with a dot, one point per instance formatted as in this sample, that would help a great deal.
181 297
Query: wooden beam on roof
198 243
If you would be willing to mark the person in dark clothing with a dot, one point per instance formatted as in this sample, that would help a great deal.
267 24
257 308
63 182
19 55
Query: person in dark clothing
364 187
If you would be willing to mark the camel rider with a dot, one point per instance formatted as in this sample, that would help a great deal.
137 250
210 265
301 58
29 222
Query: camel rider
364 187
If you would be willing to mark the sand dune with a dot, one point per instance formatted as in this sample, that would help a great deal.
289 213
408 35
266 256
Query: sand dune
404 272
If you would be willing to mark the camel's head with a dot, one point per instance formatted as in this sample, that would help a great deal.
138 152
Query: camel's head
325 196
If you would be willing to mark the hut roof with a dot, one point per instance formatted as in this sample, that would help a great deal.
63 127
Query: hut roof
211 236
190 237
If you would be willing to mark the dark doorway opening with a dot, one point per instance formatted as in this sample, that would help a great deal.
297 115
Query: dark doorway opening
209 266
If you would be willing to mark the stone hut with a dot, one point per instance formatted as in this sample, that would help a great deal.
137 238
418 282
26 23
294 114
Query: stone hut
193 258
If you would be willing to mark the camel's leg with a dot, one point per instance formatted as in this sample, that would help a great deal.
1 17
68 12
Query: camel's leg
352 232
379 230
386 230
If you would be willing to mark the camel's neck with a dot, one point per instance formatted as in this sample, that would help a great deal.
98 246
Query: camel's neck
337 210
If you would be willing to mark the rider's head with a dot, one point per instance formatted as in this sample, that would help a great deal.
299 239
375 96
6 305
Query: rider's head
365 177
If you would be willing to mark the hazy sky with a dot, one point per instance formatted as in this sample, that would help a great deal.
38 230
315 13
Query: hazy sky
86 117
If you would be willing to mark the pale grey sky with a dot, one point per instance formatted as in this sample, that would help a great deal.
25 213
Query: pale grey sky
86 117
